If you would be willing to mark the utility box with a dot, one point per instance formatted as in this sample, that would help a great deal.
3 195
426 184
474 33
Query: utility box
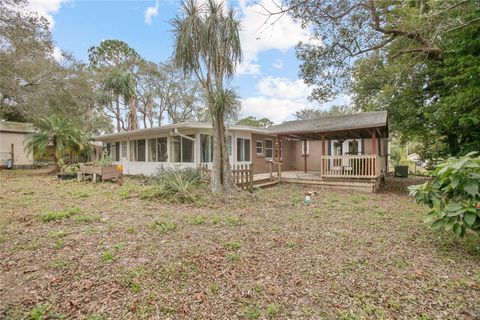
401 171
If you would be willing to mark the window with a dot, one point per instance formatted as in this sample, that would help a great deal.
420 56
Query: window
206 148
243 149
124 149
182 149
268 148
229 145
352 147
157 150
137 150
113 150
117 151
259 147
303 148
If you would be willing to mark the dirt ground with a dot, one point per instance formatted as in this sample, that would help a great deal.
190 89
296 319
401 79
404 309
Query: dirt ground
72 250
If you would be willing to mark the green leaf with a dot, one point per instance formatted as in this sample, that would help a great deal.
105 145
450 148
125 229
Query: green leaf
437 224
469 218
453 206
471 187
449 225
457 229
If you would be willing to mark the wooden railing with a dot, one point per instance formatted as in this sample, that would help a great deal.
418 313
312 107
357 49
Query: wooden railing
242 175
352 166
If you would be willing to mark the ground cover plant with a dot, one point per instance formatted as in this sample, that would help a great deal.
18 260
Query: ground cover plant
262 256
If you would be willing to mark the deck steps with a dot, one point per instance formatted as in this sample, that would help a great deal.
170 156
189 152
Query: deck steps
265 184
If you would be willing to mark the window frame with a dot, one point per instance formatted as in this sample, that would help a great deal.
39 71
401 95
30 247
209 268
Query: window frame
135 151
209 143
241 146
157 149
257 147
268 148
181 143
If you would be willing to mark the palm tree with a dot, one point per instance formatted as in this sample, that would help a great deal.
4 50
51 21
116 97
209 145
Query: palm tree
122 84
55 137
208 45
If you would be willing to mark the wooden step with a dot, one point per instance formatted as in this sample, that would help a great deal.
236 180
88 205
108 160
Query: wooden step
265 184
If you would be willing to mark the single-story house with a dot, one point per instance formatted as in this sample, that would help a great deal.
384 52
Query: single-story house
12 139
344 147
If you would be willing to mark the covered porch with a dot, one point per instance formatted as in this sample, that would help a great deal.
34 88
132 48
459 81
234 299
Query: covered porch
345 149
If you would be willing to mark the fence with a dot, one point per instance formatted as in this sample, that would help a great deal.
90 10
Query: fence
242 175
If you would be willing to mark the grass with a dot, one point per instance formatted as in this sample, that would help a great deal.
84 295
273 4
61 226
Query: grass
60 214
115 253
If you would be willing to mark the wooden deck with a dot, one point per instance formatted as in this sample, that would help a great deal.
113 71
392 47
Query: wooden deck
315 178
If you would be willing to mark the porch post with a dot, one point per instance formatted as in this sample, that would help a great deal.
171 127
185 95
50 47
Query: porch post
278 154
374 151
305 154
322 158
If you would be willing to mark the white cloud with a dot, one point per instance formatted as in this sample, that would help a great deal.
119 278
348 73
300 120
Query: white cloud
277 110
259 34
57 54
151 12
278 64
46 8
283 88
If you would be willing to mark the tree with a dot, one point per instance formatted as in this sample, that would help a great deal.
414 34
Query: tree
315 113
434 103
57 136
254 122
207 44
114 64
346 30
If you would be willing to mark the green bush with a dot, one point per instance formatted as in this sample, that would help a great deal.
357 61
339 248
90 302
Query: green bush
177 186
453 195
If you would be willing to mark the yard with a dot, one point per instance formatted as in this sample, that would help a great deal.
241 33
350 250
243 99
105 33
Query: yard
100 251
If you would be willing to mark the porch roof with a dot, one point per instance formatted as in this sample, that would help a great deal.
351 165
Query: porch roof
357 125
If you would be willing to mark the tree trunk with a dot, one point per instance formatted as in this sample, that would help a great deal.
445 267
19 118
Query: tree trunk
222 180
119 128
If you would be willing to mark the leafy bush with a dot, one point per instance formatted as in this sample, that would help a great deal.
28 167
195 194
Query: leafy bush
177 186
453 195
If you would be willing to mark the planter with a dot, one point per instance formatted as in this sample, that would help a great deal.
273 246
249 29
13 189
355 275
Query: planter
105 172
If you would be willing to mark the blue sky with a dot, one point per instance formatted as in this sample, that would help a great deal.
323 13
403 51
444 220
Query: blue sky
267 81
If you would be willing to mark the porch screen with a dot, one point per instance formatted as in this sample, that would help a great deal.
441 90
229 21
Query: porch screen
157 150
182 149
206 147
137 150
243 149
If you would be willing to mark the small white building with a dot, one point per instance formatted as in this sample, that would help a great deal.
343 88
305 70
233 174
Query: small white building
12 144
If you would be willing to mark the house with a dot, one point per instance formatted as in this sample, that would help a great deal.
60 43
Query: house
12 139
322 151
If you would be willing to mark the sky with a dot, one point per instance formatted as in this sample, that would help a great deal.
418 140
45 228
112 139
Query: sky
267 80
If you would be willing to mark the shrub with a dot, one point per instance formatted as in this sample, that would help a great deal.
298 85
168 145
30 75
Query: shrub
453 195
178 186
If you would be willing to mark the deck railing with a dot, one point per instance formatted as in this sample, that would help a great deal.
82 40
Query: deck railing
242 175
352 166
